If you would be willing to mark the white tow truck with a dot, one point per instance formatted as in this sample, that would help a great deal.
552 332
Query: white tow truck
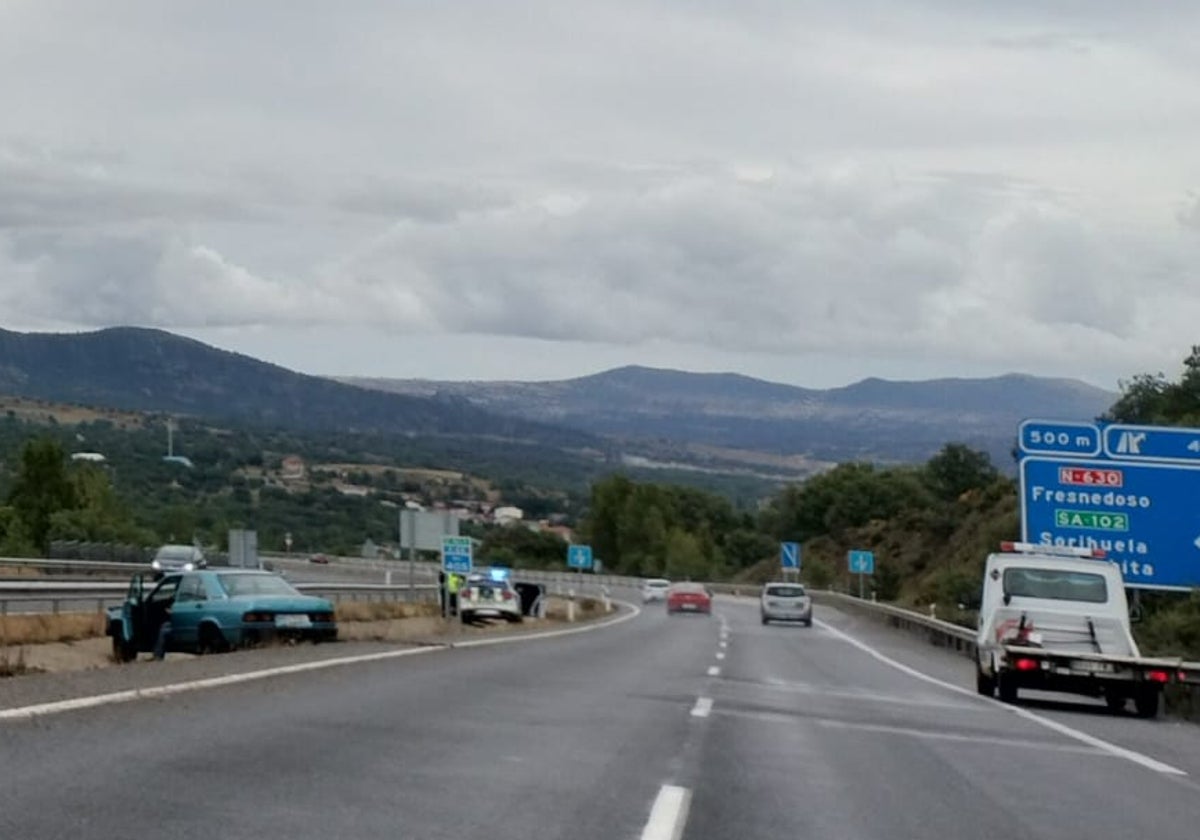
1056 619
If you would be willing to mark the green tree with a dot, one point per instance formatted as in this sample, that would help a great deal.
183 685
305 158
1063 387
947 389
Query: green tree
97 514
957 469
685 558
41 488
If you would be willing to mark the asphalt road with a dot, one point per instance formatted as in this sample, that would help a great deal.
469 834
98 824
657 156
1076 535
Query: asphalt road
625 732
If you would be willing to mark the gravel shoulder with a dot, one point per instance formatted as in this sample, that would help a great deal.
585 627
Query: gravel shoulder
61 671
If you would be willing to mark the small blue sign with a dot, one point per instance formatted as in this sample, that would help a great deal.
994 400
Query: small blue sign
579 556
861 562
456 554
789 555
1152 443
1056 437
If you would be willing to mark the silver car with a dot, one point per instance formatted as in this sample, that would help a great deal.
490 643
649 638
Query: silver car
786 602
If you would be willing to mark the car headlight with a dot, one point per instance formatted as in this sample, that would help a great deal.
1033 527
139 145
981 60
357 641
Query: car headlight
156 565
189 567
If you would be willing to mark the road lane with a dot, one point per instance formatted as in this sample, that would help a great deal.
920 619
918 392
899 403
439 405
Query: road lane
568 737
1172 741
623 732
810 736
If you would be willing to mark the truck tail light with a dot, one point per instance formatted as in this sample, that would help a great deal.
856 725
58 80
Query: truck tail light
1024 663
1158 676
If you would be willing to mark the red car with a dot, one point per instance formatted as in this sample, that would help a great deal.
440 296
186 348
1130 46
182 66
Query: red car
689 597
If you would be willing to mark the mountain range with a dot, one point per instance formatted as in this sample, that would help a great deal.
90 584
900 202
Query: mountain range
155 371
649 417
730 417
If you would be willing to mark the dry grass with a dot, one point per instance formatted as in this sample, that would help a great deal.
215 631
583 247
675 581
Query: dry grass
382 610
40 629
585 608
20 572
14 666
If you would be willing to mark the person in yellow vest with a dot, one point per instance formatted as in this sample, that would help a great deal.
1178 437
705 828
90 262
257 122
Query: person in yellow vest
452 584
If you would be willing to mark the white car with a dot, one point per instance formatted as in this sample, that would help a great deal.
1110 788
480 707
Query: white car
655 589
785 602
483 596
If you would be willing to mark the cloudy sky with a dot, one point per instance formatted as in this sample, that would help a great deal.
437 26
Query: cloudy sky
812 192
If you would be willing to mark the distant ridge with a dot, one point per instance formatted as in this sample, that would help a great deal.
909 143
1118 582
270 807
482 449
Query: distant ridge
152 370
875 419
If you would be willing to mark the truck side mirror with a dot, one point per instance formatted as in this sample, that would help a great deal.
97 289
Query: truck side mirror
1136 614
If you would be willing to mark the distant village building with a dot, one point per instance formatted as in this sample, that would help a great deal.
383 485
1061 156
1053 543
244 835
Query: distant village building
292 468
94 457
562 531
507 515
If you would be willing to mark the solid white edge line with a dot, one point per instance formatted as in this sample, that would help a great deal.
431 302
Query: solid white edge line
77 703
714 671
92 701
668 815
703 707
1061 728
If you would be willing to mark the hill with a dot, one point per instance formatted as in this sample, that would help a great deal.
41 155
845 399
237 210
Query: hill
756 421
151 370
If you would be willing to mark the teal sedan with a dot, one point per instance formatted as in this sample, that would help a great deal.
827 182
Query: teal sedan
212 610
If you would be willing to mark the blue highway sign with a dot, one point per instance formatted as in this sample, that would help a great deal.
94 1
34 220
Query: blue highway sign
456 554
861 562
579 556
1135 499
789 555
1053 437
1152 443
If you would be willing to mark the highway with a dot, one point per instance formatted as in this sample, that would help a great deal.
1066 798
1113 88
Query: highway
714 724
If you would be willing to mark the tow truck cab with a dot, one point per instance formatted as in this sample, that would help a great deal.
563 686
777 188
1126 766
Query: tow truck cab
1056 619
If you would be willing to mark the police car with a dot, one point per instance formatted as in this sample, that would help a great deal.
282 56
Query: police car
489 595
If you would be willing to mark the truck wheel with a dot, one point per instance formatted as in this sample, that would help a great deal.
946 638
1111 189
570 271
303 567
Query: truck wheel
984 684
1146 702
1008 688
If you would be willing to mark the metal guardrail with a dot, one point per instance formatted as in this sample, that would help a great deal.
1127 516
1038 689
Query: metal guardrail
106 593
93 592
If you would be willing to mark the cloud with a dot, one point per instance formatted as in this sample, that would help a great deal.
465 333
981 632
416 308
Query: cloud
953 180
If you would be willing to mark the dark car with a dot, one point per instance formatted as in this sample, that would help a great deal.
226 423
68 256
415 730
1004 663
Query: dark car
177 558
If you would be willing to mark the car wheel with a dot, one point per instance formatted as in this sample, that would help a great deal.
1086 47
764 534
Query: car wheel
1008 688
122 651
211 640
984 684
766 620
808 622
